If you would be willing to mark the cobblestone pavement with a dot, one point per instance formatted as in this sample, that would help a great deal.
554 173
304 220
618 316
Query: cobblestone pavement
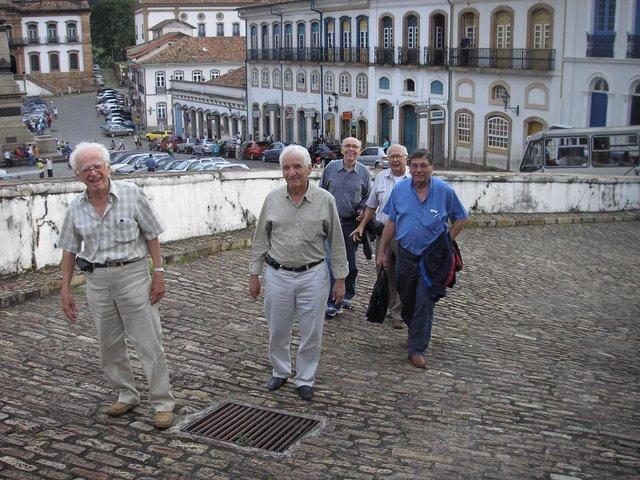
532 373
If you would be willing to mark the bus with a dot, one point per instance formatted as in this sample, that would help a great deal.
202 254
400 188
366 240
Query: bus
594 151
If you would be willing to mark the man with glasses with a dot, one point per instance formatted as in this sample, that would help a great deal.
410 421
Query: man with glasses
382 187
349 182
112 227
419 211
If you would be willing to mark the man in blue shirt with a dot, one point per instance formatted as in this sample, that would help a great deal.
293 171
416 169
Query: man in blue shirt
419 210
151 163
349 182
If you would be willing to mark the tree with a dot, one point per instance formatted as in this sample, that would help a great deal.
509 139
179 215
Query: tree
112 29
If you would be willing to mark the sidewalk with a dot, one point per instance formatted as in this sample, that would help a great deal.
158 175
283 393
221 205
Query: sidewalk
23 287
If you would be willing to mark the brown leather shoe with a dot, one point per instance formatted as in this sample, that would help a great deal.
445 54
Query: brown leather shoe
120 408
417 360
163 419
398 324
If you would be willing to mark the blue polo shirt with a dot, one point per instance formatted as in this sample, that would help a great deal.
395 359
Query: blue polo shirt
420 223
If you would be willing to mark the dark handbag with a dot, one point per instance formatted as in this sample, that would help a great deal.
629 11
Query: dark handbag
379 301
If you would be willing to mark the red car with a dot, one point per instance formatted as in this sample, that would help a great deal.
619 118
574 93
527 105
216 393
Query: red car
164 144
254 150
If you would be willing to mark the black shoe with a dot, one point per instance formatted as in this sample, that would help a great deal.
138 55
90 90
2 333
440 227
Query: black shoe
305 392
275 383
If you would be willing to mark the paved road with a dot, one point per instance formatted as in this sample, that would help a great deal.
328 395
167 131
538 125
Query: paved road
533 372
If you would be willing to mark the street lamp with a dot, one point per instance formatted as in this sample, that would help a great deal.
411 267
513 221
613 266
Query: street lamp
506 98
333 101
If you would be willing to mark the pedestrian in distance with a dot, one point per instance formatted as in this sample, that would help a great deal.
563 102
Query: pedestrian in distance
238 144
385 144
349 182
151 163
419 211
49 164
109 230
380 192
296 221
55 112
122 146
49 119
113 144
7 158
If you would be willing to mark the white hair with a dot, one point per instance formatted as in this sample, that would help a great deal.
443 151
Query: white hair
297 150
397 145
83 147
351 138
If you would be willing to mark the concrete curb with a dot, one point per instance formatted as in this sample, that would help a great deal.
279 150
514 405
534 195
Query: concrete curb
52 284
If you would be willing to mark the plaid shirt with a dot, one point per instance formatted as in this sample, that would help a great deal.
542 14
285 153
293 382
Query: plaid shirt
350 189
382 186
120 235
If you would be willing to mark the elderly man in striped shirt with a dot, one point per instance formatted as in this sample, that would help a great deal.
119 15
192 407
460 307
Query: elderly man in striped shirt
112 227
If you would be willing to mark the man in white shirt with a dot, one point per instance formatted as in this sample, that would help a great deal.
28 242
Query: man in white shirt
382 186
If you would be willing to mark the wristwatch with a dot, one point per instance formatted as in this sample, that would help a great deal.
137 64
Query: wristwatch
158 269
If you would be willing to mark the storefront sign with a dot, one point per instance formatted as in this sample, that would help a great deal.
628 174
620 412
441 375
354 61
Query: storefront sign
436 117
347 115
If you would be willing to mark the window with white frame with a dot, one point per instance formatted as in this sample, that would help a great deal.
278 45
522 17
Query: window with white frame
178 75
463 128
254 37
288 79
276 79
498 132
346 34
72 31
54 62
276 36
235 29
161 110
215 73
220 29
470 33
301 81
542 35
265 78
315 35
315 81
34 61
345 84
254 78
328 82
202 29
361 85
73 61
197 76
160 80
497 92
503 35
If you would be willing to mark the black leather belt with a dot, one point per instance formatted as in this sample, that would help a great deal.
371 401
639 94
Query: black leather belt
272 263
114 264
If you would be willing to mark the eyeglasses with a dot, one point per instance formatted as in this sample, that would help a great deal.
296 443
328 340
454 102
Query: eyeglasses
88 168
420 166
351 146
396 157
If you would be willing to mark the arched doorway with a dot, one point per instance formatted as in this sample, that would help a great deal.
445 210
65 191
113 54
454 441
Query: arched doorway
14 68
255 120
533 126
437 40
634 116
599 101
243 128
409 127
385 114
362 131
437 121
329 127
302 128
278 124
266 124
234 126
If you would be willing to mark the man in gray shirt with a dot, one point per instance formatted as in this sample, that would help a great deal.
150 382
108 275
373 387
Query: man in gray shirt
294 225
112 227
350 183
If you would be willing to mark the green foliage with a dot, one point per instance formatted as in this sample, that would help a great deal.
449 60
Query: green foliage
112 29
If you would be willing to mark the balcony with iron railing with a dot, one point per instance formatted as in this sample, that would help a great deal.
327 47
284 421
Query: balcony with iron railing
600 45
161 89
17 42
503 58
31 40
53 40
633 46
384 56
408 56
72 38
312 54
435 57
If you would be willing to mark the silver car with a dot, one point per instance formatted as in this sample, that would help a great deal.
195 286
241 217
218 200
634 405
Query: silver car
374 157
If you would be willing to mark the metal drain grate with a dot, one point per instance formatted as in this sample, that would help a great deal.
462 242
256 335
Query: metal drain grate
250 426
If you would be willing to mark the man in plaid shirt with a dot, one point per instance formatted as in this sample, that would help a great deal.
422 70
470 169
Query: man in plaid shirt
112 227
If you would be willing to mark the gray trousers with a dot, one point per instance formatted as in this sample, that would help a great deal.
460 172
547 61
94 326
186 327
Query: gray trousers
118 299
395 305
288 295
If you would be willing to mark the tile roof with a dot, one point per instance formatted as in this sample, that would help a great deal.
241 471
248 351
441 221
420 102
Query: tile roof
164 23
265 3
52 5
202 50
186 3
235 79
146 47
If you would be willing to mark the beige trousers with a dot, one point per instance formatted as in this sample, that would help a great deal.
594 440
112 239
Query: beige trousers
395 305
118 299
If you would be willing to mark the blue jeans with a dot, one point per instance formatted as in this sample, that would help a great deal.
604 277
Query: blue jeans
350 281
417 306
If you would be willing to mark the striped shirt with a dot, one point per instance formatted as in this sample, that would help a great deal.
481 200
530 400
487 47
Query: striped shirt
120 235
350 189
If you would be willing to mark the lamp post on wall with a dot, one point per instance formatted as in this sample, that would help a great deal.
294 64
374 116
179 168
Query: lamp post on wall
506 98
332 102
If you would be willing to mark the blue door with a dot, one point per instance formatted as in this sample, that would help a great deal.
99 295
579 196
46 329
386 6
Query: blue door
385 120
598 109
302 129
409 128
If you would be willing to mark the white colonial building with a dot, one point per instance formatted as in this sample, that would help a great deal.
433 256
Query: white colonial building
155 65
217 18
467 80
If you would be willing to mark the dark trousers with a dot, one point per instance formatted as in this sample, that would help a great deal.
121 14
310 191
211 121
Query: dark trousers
417 305
350 281
49 173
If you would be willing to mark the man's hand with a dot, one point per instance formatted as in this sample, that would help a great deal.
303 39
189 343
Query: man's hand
338 291
254 286
359 216
356 235
384 258
157 287
69 306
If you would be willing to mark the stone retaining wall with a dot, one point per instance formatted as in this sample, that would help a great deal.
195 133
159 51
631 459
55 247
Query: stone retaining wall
202 204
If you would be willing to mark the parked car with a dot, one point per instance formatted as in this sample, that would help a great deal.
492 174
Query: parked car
128 160
157 134
254 150
374 157
227 166
322 154
140 163
187 146
205 146
117 129
205 162
120 121
273 152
